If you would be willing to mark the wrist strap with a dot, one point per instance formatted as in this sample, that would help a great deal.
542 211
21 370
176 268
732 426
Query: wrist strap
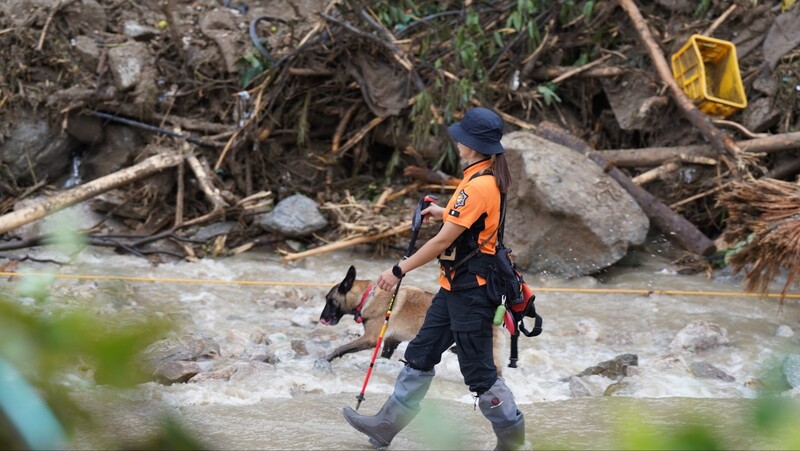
397 271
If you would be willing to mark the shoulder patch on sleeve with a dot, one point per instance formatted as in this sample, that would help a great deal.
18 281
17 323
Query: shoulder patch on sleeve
461 200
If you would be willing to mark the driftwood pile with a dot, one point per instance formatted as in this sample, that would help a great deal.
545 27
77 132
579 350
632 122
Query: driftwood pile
349 104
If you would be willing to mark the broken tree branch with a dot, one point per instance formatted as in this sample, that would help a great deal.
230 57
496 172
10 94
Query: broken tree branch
347 243
80 193
201 170
655 156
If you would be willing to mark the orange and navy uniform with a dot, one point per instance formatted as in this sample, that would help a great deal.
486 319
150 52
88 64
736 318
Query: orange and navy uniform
476 206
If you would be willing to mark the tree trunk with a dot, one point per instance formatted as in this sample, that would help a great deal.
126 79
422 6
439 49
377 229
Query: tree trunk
656 156
80 193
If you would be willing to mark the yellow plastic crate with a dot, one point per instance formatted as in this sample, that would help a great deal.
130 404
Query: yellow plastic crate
708 71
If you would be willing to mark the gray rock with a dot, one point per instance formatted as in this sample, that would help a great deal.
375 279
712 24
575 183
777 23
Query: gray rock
706 370
187 347
567 216
761 114
578 388
36 149
86 129
613 369
88 52
215 229
118 149
128 64
699 335
175 371
294 216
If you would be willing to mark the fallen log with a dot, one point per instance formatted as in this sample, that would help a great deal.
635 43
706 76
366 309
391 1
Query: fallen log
672 224
721 140
80 193
347 243
656 156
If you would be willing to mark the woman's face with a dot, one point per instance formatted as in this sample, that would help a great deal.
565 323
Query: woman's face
466 154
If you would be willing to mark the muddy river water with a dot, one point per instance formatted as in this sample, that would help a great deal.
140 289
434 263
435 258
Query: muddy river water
295 404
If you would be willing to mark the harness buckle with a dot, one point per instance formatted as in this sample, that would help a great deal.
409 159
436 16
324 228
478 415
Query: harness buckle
448 256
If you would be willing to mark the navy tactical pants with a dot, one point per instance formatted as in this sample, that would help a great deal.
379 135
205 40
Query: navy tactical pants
462 317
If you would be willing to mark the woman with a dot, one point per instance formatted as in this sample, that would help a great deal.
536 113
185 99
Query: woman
461 312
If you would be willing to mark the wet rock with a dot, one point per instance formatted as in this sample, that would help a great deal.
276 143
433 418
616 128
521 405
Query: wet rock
617 388
295 216
122 143
791 369
570 218
215 229
86 129
706 370
35 149
223 374
187 347
784 331
674 363
280 352
578 388
612 369
299 347
322 365
699 335
175 371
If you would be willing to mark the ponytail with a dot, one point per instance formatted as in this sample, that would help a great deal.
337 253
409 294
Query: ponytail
502 175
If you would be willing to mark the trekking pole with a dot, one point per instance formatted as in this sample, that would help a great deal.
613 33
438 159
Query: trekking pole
416 223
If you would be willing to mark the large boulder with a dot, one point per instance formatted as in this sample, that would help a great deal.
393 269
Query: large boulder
35 149
567 216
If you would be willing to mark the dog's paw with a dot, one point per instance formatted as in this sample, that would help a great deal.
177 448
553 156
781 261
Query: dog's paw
322 364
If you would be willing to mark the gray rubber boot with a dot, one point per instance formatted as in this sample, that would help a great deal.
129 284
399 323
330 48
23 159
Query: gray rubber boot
401 407
498 406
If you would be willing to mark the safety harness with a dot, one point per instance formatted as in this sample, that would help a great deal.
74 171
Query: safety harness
467 245
364 297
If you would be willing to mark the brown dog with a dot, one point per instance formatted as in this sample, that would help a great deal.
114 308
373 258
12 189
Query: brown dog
408 314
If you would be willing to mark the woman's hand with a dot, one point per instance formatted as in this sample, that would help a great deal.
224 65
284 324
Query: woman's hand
434 210
387 280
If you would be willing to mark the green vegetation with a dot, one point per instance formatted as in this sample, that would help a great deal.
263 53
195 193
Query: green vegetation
43 345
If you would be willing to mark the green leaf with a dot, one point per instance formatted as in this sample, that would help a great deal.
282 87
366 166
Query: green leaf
549 94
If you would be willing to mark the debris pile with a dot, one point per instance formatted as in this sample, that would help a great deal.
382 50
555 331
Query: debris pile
347 103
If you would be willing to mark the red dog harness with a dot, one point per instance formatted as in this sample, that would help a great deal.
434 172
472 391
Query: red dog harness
367 294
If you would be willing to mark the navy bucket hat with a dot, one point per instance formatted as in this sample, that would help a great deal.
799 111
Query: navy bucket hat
480 130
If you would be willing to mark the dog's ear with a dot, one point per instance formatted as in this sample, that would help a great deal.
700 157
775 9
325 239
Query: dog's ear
347 284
